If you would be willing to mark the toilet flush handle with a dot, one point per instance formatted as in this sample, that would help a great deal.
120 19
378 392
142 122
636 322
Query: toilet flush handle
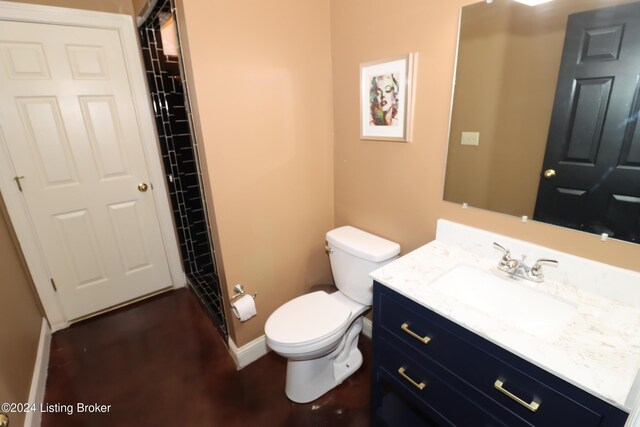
328 250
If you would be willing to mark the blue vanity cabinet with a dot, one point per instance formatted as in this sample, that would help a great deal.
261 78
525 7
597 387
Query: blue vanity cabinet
429 371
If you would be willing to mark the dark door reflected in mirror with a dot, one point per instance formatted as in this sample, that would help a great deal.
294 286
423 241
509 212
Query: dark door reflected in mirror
552 91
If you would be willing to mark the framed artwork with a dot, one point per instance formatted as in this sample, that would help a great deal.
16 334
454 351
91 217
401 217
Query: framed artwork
386 89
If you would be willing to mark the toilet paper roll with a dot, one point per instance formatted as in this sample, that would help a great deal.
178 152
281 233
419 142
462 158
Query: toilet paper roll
244 308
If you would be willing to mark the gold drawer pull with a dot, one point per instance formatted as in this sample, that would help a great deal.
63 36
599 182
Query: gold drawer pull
423 340
406 377
533 406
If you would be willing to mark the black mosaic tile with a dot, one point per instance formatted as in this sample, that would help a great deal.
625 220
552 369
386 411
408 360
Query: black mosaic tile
178 113
192 211
175 99
213 303
199 242
179 157
204 257
173 68
146 56
183 251
188 181
172 158
183 143
192 192
177 85
153 48
180 127
202 249
185 156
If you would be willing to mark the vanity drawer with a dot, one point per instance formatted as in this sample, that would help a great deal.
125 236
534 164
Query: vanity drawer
506 379
425 385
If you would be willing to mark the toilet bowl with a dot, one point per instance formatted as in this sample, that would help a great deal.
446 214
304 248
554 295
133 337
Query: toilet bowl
318 332
321 322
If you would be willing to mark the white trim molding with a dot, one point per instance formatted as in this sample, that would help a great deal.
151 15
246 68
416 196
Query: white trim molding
249 352
124 25
39 378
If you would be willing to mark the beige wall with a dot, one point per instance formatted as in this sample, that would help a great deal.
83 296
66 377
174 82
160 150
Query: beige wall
395 189
261 75
20 319
140 6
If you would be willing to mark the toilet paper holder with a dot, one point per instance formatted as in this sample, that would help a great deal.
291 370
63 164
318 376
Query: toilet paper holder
238 291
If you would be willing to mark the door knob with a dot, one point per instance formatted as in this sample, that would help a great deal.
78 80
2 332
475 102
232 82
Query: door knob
142 187
4 420
549 173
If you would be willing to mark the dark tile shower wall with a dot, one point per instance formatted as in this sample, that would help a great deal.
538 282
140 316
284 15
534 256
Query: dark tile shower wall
180 157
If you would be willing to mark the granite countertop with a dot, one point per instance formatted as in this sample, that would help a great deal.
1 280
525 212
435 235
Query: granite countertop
598 350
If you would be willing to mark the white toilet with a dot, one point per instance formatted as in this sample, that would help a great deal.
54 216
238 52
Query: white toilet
318 332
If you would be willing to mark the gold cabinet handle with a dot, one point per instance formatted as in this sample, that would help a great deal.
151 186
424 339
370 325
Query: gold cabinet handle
533 406
423 340
4 420
549 173
420 386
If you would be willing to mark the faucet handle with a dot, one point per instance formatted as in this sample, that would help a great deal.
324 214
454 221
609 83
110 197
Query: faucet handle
536 269
507 255
502 248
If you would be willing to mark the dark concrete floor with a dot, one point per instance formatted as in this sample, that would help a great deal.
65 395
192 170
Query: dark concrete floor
161 362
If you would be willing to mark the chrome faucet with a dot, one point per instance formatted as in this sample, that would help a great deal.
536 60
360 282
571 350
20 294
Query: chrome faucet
518 268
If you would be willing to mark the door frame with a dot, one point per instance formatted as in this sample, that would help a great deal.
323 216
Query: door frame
15 203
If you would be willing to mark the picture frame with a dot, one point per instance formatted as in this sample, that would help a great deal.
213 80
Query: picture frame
386 92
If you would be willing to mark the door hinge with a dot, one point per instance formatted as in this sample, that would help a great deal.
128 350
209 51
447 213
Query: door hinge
17 179
54 285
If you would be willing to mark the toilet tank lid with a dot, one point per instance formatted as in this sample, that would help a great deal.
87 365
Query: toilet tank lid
362 244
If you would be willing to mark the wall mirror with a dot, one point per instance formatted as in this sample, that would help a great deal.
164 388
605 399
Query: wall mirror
545 106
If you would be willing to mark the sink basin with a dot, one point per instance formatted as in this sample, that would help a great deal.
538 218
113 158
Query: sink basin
507 300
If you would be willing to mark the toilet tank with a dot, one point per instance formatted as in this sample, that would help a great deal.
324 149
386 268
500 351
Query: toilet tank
354 254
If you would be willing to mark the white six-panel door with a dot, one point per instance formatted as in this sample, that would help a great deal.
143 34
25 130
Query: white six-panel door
68 119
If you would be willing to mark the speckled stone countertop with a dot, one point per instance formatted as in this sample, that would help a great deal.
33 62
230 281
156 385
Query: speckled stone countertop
598 350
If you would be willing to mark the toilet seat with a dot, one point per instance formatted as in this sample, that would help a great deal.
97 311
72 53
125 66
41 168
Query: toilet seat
307 323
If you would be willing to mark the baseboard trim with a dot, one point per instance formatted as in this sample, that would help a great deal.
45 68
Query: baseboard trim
39 379
367 327
249 352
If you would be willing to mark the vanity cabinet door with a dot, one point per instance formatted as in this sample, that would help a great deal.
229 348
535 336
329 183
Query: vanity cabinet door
431 388
517 392
506 386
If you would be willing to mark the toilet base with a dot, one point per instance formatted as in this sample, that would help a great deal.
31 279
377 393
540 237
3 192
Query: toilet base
307 380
